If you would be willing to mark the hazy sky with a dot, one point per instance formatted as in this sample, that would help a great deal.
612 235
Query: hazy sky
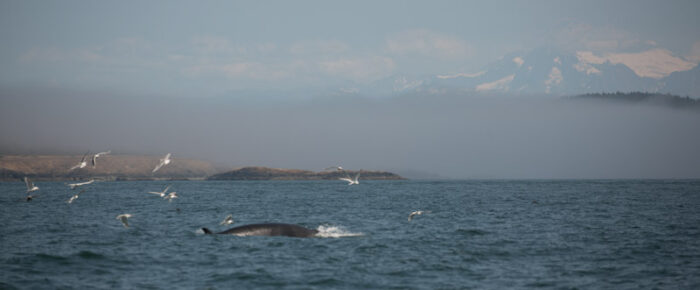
203 48
150 77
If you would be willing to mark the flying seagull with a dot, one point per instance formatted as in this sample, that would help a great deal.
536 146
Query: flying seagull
30 187
165 161
74 185
75 196
161 193
228 220
82 163
94 157
351 181
170 196
415 213
123 218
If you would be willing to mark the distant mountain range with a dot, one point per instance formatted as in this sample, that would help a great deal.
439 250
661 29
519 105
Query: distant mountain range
541 72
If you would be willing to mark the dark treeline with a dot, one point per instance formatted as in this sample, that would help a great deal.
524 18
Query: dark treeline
645 97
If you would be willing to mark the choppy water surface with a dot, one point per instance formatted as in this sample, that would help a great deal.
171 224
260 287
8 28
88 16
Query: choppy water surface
479 234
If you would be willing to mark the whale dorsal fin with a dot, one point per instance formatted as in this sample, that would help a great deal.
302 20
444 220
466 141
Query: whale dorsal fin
207 231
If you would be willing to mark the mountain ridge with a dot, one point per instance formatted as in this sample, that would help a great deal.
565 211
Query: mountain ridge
543 71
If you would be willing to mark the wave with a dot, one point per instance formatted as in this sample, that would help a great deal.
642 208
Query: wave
329 231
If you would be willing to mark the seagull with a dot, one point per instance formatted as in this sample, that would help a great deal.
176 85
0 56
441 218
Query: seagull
228 220
415 213
30 185
75 196
165 161
338 168
94 157
170 196
351 181
74 185
82 163
123 218
161 193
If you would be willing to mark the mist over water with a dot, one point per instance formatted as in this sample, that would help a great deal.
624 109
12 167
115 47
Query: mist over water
453 136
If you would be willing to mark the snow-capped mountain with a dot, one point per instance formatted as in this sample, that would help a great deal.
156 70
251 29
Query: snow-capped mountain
549 72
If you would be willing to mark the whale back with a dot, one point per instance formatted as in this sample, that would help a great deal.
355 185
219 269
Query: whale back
273 229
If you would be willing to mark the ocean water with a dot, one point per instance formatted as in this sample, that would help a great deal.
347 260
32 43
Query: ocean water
614 234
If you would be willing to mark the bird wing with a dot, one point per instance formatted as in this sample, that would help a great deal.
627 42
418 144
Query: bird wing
94 160
345 179
226 219
84 155
166 189
153 192
28 183
158 167
357 176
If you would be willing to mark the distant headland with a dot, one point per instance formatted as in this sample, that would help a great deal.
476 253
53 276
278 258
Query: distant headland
136 167
265 173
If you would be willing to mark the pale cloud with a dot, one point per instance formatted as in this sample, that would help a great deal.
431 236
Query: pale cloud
266 47
352 90
587 68
654 63
48 54
401 84
51 54
123 53
360 69
428 43
555 78
519 61
585 61
501 84
582 36
322 47
695 52
589 57
461 75
250 70
216 45
306 60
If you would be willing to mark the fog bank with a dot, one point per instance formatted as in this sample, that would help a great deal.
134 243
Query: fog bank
452 136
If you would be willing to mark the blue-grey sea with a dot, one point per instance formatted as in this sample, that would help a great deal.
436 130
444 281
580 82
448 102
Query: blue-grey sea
493 234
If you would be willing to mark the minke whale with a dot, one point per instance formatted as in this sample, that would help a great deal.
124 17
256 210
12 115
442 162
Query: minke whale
273 229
